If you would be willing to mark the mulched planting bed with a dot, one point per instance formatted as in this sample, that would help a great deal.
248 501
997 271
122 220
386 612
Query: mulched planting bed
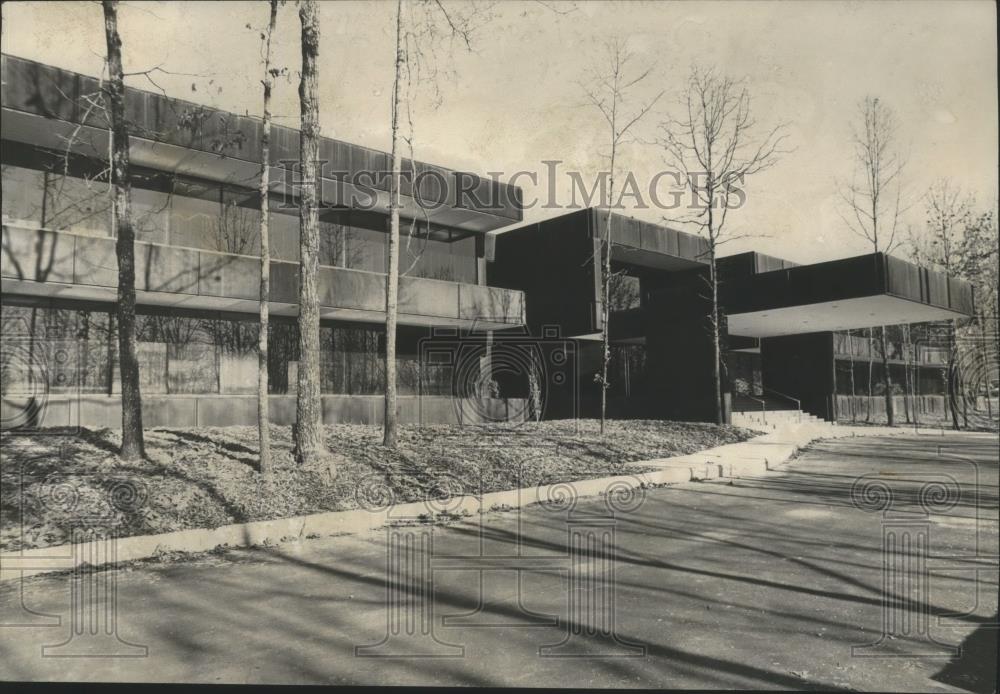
207 477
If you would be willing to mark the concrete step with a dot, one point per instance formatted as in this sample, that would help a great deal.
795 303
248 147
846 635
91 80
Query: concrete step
774 419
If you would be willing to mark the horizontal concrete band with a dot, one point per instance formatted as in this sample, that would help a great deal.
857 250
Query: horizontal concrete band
241 410
752 457
79 266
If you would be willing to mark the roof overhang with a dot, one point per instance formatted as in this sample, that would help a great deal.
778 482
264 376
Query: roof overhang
833 316
859 292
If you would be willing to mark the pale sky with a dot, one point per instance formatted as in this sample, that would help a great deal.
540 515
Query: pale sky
516 101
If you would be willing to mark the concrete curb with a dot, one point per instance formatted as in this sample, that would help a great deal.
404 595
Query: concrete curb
751 457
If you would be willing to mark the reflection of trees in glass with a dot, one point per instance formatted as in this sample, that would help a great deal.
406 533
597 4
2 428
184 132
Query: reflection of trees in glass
200 354
73 350
441 272
79 205
178 353
23 195
282 348
51 199
451 259
627 366
237 229
623 291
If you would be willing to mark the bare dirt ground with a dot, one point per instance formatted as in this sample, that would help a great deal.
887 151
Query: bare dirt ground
208 477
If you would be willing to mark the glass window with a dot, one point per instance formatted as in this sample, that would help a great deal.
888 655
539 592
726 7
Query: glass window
195 210
282 353
77 205
420 256
236 341
366 249
192 368
54 350
283 234
464 252
356 356
150 215
237 230
98 342
623 292
332 244
23 194
177 354
437 256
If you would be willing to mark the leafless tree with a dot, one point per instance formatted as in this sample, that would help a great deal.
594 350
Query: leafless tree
611 88
389 422
962 243
309 441
873 198
133 446
263 409
980 264
715 147
423 29
949 212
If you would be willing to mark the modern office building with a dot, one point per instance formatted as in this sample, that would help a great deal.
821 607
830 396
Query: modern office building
782 324
196 214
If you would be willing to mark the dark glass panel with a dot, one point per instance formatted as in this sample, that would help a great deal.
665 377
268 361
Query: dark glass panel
366 249
283 234
77 205
282 350
195 210
23 195
236 342
624 292
150 215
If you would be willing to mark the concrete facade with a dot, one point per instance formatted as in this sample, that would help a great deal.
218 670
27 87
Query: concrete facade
196 212
778 319
506 326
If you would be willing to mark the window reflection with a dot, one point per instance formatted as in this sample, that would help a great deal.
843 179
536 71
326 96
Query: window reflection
623 292
191 213
23 196
439 254
203 354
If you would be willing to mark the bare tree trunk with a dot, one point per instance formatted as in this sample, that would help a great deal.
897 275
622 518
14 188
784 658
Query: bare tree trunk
886 377
952 373
309 444
605 304
133 446
871 366
985 359
907 381
850 350
608 97
716 346
263 413
392 273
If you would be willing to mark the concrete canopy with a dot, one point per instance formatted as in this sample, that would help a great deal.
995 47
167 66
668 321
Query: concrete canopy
859 292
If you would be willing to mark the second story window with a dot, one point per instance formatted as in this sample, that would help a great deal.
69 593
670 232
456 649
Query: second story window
624 292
